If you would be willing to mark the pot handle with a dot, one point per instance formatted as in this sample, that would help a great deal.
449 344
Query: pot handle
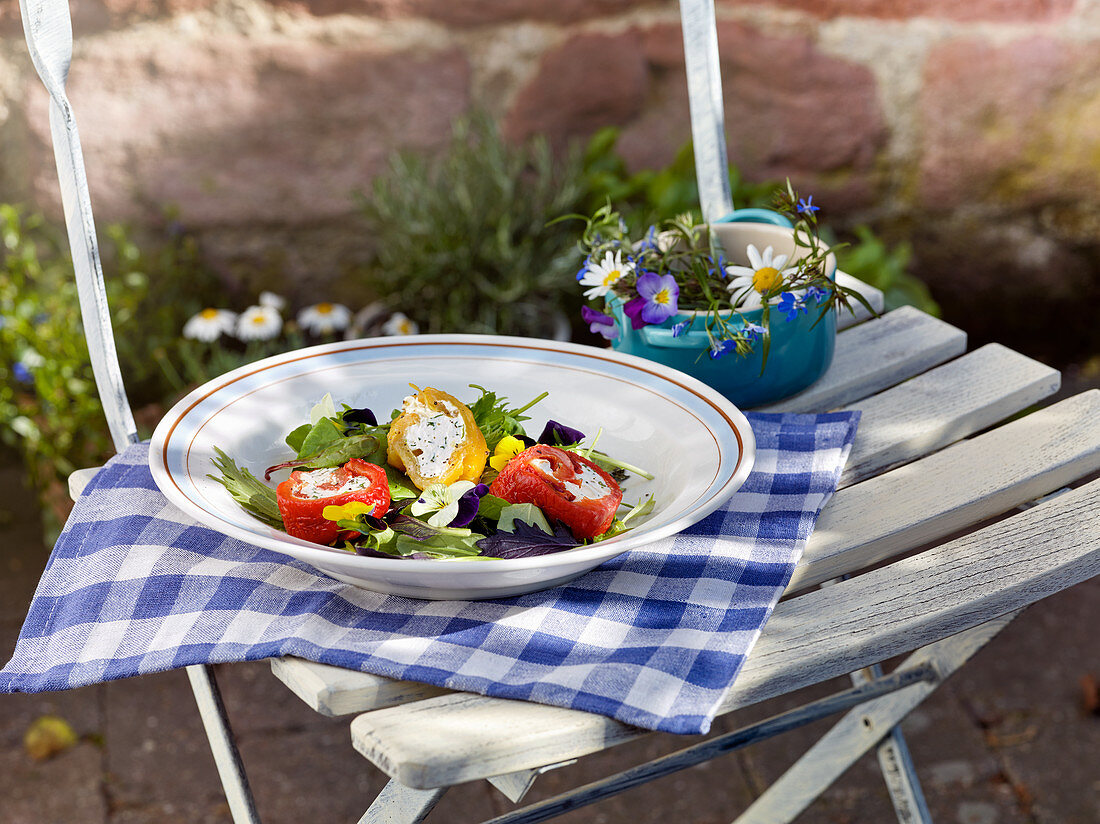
663 338
755 216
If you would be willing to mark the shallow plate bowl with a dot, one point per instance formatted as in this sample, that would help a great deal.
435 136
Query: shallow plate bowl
696 443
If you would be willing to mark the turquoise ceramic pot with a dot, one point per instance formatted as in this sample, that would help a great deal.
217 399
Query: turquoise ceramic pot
800 351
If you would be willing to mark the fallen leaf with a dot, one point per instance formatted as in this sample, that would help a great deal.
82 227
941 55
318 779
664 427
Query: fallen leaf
47 736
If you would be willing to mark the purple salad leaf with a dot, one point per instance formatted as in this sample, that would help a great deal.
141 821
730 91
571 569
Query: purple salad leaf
527 541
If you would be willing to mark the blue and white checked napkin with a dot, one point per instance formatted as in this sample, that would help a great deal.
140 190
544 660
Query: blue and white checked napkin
653 637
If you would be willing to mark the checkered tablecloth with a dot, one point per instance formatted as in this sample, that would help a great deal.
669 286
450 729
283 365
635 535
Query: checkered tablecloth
653 637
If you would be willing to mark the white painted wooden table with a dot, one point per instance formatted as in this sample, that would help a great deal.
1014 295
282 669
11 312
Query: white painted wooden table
949 442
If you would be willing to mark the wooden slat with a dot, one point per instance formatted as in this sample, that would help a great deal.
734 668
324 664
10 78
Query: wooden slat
944 405
80 479
874 297
958 487
337 691
876 355
812 638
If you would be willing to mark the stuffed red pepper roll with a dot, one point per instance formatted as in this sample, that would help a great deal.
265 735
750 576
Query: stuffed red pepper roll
303 496
564 485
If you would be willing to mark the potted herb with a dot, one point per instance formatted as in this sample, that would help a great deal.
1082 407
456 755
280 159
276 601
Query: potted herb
748 308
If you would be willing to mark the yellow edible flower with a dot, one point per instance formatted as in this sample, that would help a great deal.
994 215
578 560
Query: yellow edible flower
347 512
508 448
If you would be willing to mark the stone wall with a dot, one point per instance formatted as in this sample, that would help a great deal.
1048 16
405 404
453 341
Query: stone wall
971 128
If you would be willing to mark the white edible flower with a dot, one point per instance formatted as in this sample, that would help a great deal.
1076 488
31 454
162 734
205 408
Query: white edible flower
276 302
441 499
323 318
399 324
259 323
604 275
764 272
210 324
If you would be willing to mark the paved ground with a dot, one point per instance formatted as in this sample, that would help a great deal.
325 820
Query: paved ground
1007 741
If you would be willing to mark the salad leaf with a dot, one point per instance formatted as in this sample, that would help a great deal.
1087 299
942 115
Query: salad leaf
529 514
324 433
324 408
338 453
495 419
250 492
527 541
296 438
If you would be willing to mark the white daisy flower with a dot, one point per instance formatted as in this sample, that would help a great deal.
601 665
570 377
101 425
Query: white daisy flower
210 324
442 500
399 324
764 272
323 318
259 323
605 274
276 302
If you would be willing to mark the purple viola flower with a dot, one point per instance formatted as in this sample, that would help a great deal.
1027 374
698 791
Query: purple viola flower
363 415
633 310
468 504
600 323
789 305
659 293
558 434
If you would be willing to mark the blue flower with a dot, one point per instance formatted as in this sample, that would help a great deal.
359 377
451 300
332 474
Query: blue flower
806 206
679 328
584 268
753 331
817 293
789 305
660 294
22 373
718 348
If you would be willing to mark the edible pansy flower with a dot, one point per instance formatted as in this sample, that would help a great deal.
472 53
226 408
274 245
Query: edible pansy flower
347 512
603 276
259 323
507 448
600 323
442 501
400 324
660 294
468 504
324 318
763 274
210 324
558 434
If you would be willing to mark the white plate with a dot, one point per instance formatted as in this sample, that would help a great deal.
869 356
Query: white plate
696 443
